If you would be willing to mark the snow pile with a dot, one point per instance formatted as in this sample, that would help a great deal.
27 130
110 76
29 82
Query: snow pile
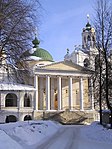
7 142
24 134
35 131
96 132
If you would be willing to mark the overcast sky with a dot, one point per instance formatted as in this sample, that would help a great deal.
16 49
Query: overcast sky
61 26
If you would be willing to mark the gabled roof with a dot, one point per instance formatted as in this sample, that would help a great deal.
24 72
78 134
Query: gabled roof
63 68
65 65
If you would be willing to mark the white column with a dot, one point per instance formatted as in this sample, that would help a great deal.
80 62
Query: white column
36 92
70 94
18 100
18 104
92 96
59 94
47 93
81 93
21 99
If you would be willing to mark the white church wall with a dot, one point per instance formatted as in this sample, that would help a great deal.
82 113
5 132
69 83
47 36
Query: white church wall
77 57
19 111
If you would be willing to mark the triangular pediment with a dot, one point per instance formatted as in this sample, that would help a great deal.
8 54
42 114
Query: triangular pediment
63 65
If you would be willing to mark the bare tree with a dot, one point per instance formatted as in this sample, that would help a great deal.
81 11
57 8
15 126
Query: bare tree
18 19
103 25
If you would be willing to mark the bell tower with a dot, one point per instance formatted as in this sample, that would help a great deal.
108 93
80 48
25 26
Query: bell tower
89 43
88 36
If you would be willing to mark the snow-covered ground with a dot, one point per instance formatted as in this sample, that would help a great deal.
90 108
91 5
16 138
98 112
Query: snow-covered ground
32 134
21 135
97 133
96 136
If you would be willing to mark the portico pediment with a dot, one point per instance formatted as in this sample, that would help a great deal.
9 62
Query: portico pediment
63 65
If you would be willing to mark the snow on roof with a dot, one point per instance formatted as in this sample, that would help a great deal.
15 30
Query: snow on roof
33 58
11 86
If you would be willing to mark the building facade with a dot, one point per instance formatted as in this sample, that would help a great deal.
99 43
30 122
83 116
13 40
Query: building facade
54 87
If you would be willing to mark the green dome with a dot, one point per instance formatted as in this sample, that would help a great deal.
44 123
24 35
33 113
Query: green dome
38 52
43 54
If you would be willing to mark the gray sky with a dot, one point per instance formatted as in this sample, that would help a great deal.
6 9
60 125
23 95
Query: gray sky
62 24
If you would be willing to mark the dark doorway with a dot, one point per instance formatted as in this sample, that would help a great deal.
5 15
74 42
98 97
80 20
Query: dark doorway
27 118
11 118
56 102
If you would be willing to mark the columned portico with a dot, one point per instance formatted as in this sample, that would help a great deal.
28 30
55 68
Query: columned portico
47 92
56 95
81 93
63 89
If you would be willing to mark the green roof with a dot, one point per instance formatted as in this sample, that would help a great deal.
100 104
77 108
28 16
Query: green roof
45 55
38 52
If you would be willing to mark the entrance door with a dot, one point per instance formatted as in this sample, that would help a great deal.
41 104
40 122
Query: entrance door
55 102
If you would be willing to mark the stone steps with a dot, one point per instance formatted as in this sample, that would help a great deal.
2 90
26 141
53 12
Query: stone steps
69 117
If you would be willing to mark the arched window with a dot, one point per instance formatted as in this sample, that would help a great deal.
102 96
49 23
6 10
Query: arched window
27 100
86 62
11 100
89 39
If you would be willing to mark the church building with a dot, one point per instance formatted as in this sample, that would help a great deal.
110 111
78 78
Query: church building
63 88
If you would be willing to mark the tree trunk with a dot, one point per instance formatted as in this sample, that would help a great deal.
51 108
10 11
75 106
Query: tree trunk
107 89
100 89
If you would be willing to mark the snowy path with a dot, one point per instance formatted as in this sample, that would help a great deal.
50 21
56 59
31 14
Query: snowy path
68 137
86 144
49 135
65 138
